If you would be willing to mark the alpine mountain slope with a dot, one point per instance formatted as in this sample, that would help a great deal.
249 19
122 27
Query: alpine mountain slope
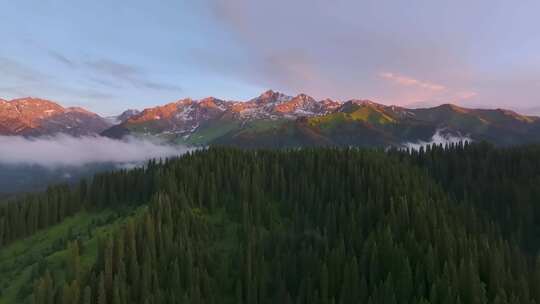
277 120
37 117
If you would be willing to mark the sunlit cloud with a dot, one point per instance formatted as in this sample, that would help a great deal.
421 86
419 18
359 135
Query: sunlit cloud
467 95
409 81
414 92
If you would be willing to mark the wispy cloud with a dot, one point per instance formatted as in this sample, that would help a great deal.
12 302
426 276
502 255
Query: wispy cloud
112 74
63 150
422 93
441 137
14 70
19 80
61 58
116 72
409 81
466 95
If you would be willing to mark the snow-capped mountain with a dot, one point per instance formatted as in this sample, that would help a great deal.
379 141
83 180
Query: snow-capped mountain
274 119
185 116
272 104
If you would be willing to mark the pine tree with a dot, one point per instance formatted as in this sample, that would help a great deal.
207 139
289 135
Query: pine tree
101 292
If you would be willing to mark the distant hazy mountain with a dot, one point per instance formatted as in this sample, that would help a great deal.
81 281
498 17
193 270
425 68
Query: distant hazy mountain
35 117
127 114
277 120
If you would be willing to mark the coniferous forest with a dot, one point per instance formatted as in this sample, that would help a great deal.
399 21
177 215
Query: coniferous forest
453 224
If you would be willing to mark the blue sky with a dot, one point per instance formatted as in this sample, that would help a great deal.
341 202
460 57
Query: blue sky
111 55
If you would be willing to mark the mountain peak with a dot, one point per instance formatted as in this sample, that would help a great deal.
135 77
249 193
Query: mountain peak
127 114
210 103
124 116
182 101
33 101
79 110
270 96
30 99
361 102
304 97
269 93
130 111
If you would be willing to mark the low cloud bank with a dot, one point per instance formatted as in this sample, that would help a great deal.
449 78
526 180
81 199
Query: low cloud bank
63 150
438 138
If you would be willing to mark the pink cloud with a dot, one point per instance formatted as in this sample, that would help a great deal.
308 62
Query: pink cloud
466 95
411 91
409 81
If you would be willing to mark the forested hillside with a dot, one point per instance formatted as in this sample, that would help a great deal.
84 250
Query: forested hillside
445 225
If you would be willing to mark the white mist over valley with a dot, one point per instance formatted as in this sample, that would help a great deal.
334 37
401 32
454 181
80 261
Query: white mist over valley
64 150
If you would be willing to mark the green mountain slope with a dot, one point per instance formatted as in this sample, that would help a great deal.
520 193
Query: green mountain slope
277 121
221 225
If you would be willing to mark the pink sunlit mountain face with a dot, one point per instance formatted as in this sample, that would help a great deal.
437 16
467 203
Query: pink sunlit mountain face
34 117
185 116
271 120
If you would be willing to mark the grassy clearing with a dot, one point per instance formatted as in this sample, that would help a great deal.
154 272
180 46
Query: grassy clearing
363 114
206 134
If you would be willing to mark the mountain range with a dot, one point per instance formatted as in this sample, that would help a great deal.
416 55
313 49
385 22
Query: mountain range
274 119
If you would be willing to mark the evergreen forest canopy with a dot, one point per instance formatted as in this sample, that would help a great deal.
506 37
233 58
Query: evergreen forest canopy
454 224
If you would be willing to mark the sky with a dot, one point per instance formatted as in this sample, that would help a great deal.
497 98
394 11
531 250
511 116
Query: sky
108 56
